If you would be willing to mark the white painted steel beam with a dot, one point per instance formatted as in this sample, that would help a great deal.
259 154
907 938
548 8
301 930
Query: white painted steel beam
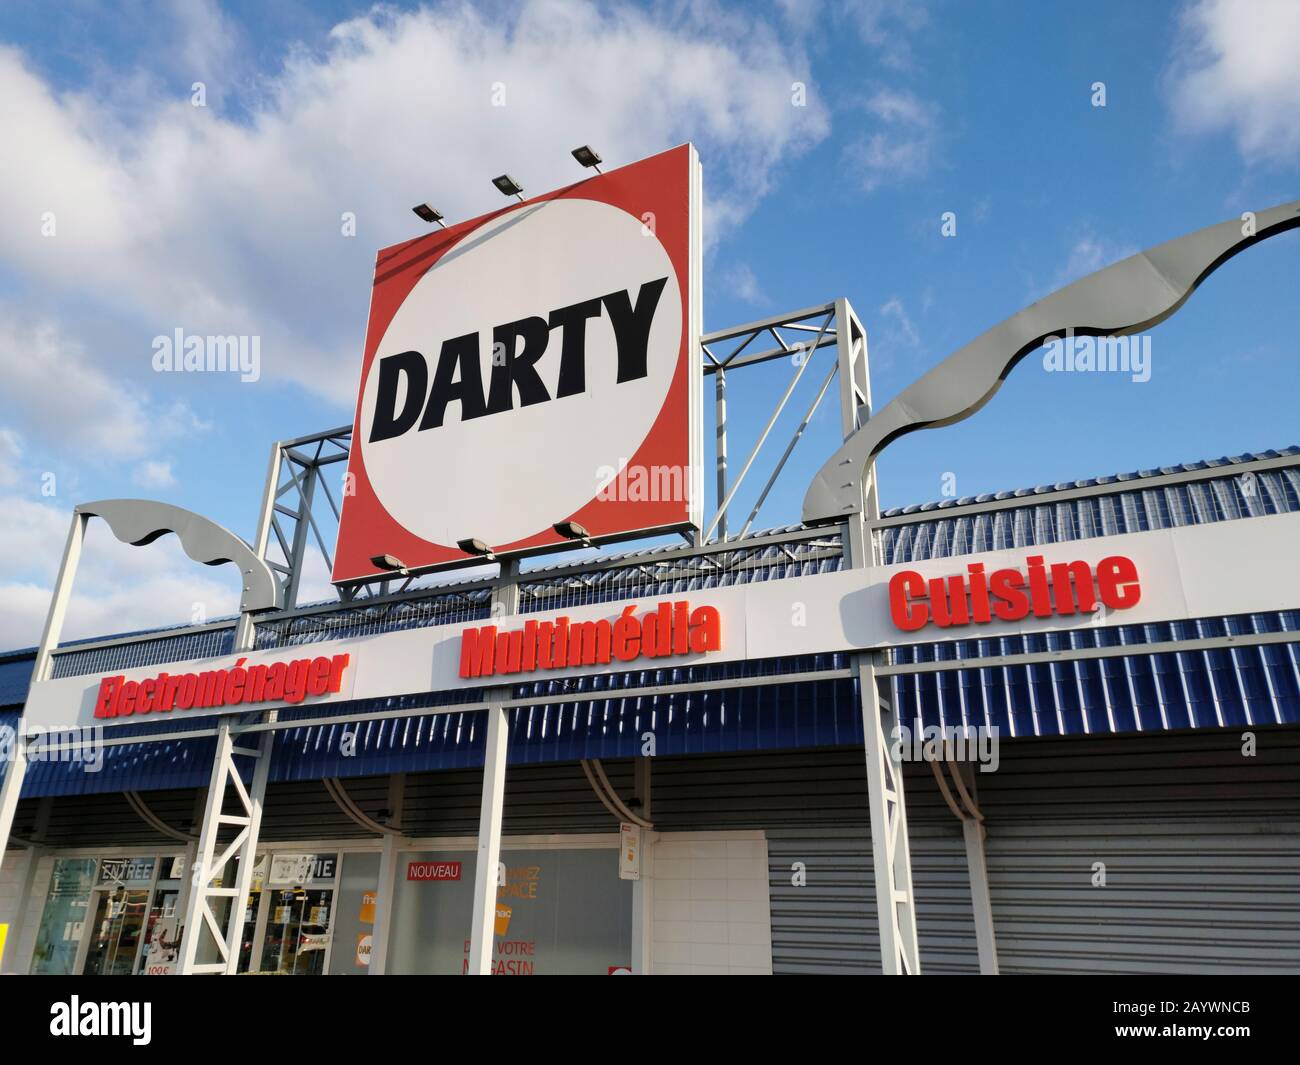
12 787
488 857
890 851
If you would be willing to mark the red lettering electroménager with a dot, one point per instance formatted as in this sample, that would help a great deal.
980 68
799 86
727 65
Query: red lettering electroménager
240 685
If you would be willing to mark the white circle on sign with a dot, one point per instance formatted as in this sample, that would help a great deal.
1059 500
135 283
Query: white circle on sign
502 477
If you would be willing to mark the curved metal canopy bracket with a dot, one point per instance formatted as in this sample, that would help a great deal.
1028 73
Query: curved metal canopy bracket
142 521
1127 297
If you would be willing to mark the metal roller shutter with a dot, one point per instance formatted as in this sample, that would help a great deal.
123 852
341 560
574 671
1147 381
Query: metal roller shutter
1201 848
829 925
813 806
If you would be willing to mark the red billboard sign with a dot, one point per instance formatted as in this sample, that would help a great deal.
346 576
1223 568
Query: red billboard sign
531 367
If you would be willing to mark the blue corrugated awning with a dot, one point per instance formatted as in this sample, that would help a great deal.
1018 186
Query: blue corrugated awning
8 725
758 717
761 717
1225 687
15 677
143 765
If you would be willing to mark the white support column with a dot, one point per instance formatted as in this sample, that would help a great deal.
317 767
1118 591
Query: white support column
248 853
191 857
643 901
489 843
14 961
985 940
196 904
211 864
385 889
962 799
13 782
891 852
505 601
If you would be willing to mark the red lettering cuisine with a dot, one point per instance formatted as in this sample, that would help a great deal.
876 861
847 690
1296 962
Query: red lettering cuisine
240 685
976 597
669 629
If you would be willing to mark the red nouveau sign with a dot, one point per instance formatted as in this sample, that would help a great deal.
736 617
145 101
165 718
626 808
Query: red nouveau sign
433 871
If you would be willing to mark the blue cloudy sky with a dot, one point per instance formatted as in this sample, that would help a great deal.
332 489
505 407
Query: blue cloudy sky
226 219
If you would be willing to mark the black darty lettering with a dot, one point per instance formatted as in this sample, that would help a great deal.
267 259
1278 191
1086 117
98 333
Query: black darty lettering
458 376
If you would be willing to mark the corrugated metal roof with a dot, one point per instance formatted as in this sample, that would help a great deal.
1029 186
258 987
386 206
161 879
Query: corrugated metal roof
1238 686
1243 686
15 677
758 717
15 666
1123 479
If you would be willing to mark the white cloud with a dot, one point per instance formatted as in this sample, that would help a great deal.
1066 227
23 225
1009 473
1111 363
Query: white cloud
904 330
11 450
1088 255
155 474
902 145
743 284
184 217
209 46
801 15
52 388
888 26
161 215
119 588
1236 69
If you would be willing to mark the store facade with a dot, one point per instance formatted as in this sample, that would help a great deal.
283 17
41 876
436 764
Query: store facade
1168 752
1056 729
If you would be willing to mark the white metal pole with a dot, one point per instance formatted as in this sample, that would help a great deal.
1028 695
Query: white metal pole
489 843
9 959
13 782
891 852
187 878
385 889
985 940
643 902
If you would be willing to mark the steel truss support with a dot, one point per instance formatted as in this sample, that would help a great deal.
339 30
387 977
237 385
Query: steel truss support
891 853
223 925
219 930
815 320
289 524
890 849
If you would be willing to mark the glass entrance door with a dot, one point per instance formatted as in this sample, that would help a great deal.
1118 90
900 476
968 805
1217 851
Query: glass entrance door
119 918
166 898
297 932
